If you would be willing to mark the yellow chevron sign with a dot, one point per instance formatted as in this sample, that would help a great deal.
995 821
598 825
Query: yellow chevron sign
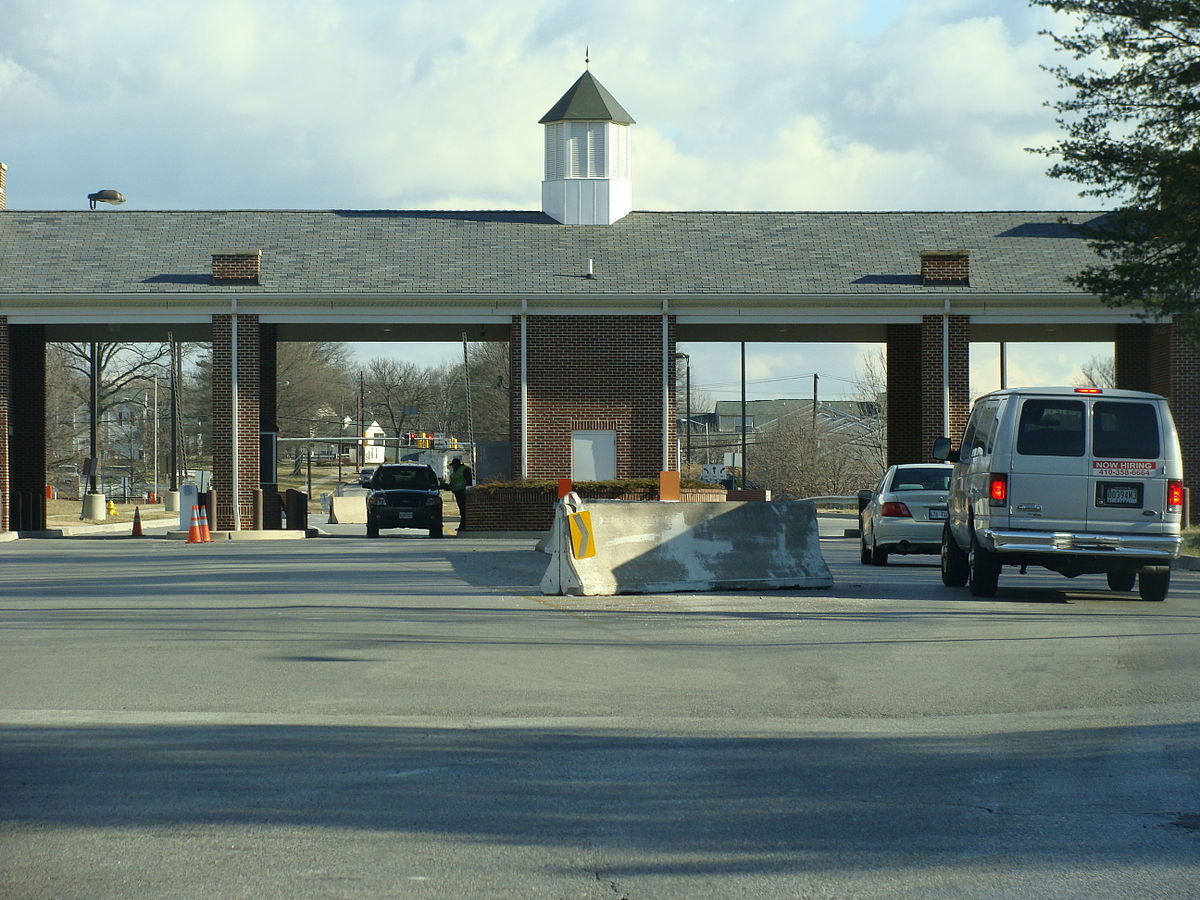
583 544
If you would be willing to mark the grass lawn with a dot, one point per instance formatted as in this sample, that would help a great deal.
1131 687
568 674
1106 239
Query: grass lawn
1191 542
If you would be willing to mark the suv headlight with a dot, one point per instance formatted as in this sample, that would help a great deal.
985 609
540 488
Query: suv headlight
433 501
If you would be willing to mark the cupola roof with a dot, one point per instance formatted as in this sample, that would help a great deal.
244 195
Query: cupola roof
588 99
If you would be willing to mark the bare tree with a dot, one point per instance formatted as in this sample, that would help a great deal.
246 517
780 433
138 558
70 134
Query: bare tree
1099 371
397 394
873 399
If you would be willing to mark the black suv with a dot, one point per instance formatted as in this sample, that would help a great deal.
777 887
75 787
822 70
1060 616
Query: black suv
404 495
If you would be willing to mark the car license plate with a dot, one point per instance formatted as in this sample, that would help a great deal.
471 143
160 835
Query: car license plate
404 514
938 512
1124 494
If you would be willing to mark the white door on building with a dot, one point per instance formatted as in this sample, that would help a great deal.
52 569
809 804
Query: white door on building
593 455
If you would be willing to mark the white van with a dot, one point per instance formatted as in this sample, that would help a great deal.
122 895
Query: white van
1078 480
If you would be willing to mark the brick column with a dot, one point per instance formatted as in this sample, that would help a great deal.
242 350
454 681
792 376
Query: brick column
5 402
267 419
249 349
904 433
601 373
1157 358
932 394
914 386
25 427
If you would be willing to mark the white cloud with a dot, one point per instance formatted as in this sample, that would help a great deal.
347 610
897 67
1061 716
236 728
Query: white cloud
776 104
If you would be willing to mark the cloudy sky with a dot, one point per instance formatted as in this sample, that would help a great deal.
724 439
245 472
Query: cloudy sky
741 104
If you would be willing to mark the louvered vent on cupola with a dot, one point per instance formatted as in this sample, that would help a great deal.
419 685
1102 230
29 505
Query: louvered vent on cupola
587 157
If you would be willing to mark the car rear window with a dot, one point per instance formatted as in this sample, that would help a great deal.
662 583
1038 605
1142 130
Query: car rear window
1124 430
416 477
931 479
1051 428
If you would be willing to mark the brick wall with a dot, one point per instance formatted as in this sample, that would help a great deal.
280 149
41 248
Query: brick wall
5 392
249 349
600 373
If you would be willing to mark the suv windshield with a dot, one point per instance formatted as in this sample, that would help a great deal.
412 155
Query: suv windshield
1124 430
1051 428
412 477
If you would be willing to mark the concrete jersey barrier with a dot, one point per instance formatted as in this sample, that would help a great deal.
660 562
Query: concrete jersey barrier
348 510
648 547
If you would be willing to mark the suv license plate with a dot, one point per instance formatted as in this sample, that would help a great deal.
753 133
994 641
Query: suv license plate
938 513
404 514
1122 494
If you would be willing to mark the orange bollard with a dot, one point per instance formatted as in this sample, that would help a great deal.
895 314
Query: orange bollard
194 528
205 534
137 522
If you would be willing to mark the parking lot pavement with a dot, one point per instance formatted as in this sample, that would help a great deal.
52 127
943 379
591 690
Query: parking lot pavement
408 717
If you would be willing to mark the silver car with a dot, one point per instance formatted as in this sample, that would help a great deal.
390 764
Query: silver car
906 512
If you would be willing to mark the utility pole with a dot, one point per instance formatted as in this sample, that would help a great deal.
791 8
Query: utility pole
173 481
94 409
743 415
359 425
816 377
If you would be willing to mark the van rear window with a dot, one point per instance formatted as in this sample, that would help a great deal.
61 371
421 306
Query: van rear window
1051 428
1124 430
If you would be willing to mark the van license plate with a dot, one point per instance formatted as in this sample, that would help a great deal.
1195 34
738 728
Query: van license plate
938 512
1119 494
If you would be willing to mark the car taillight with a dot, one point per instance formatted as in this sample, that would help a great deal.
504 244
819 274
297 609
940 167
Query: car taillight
895 510
998 489
1174 493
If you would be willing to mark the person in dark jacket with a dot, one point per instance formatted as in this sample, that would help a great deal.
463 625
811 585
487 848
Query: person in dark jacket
461 478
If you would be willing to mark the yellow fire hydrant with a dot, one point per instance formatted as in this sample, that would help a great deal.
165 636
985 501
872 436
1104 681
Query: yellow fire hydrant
112 509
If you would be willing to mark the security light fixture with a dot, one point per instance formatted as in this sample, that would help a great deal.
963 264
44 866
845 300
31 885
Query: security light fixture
107 196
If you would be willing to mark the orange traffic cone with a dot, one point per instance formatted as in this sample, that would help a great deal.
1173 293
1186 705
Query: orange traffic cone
205 534
194 528
137 522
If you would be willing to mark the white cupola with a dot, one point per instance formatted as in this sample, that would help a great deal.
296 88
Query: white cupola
587 157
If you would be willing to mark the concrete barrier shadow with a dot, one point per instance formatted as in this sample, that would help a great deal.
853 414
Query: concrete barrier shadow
639 547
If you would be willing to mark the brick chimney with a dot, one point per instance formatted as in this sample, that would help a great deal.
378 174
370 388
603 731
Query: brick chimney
946 267
243 266
3 172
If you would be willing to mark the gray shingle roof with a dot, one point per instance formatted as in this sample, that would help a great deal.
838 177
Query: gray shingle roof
527 253
587 98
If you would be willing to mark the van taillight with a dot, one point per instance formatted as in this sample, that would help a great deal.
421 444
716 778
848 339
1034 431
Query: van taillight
998 489
895 510
1174 493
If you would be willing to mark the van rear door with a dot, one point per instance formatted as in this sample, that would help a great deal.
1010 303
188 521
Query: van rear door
1048 480
1127 478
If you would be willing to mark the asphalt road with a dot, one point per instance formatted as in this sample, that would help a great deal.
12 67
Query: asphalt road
407 717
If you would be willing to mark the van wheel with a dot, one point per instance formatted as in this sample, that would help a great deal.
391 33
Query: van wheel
864 555
1121 581
878 557
954 561
983 570
1154 582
